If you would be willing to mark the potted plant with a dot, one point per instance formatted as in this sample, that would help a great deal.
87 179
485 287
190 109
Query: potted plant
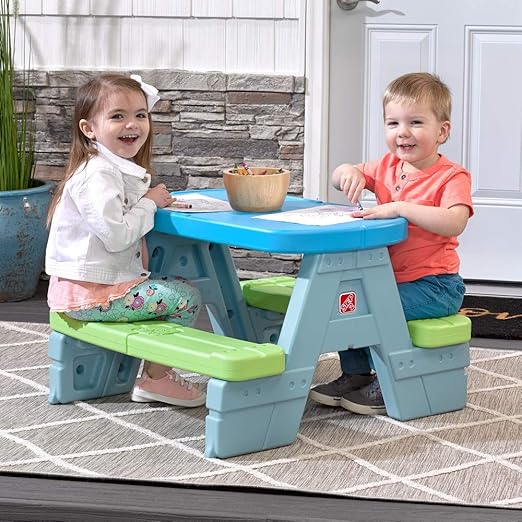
24 201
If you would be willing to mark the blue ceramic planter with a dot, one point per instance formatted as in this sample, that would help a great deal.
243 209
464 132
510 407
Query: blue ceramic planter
23 238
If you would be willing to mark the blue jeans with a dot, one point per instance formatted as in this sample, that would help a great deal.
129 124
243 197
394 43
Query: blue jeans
431 296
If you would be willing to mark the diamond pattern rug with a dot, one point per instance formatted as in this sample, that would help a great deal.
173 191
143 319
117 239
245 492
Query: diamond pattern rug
473 456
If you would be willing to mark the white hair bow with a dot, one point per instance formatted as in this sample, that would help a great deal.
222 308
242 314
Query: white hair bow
151 93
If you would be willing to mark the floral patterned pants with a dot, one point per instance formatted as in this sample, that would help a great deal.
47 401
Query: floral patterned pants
169 298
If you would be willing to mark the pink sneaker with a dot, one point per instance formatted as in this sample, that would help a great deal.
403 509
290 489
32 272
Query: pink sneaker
171 389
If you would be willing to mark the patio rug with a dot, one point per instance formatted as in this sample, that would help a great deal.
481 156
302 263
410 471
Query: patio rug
473 456
494 317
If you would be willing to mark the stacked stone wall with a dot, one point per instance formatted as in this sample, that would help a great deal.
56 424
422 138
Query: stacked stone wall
205 122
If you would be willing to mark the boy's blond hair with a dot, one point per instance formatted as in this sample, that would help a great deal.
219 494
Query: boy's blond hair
420 87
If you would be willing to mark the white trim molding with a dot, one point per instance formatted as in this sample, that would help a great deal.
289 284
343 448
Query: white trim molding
315 175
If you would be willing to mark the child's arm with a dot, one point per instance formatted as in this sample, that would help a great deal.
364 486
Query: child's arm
160 195
350 180
449 222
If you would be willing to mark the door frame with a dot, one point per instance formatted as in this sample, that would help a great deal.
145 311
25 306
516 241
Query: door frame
317 84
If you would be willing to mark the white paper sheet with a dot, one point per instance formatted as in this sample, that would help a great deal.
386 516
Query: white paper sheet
200 203
317 216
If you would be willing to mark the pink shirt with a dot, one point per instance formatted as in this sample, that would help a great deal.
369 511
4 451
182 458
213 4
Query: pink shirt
67 295
445 184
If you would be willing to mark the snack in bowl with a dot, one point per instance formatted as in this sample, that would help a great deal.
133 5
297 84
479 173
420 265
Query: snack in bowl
256 189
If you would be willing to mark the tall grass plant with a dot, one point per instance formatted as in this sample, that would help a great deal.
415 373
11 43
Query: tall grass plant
16 118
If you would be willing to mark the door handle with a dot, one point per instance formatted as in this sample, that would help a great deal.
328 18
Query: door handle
348 5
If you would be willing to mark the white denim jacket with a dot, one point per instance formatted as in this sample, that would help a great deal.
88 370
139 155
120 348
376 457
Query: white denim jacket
99 221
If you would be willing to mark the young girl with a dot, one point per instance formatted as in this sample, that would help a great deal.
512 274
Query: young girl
434 194
96 253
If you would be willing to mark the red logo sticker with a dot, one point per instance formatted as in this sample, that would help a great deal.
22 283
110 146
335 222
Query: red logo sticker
347 302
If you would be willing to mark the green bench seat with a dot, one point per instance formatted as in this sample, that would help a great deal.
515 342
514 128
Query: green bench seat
269 293
273 294
179 346
440 331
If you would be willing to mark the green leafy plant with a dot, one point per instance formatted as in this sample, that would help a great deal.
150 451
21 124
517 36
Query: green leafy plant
16 118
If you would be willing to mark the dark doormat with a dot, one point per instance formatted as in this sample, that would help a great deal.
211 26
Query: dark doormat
494 317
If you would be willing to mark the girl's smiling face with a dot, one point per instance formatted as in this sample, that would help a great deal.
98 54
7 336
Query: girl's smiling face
122 125
413 133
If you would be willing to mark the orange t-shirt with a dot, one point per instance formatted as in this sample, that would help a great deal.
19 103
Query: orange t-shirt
444 184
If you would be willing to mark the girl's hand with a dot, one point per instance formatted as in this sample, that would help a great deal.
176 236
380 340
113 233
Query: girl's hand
349 180
160 195
385 211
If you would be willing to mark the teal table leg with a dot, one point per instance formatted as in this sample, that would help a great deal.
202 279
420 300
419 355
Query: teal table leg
235 304
269 411
251 416
340 301
211 269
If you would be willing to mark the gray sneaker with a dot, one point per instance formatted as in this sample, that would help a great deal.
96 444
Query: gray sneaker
331 393
367 400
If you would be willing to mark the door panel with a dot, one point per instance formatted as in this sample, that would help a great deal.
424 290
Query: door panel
476 49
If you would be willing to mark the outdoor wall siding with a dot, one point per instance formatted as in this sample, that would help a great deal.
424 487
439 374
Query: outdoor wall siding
253 36
204 123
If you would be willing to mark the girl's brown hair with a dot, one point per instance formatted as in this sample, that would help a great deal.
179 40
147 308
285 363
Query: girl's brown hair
89 101
421 87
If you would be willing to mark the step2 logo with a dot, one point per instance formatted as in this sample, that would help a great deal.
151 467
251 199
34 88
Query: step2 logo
347 302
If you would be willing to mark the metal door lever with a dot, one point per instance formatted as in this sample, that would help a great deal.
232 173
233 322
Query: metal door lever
348 5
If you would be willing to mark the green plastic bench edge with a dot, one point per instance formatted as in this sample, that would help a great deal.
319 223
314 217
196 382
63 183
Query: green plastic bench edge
440 331
91 332
191 349
273 294
269 293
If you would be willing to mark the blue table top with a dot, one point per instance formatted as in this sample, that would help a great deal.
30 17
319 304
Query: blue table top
241 229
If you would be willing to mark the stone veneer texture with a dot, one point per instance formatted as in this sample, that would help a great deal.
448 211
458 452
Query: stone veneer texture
204 122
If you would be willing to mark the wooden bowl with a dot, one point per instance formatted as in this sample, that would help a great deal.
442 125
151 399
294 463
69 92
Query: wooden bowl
256 192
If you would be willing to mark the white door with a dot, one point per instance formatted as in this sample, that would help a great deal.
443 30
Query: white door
475 46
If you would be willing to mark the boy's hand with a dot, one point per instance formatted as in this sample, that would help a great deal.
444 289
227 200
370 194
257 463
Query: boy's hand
160 195
349 180
384 211
449 222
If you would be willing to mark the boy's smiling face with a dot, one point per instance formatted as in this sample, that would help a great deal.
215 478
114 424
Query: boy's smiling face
413 133
122 125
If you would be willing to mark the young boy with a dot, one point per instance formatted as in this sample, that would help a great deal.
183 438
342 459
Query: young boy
412 181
